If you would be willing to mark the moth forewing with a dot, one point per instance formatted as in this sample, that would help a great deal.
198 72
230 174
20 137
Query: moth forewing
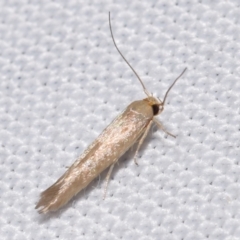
111 144
131 125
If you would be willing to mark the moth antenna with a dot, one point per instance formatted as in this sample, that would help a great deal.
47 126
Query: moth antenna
144 88
166 94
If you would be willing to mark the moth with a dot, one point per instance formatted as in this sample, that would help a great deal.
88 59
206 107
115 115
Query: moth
130 126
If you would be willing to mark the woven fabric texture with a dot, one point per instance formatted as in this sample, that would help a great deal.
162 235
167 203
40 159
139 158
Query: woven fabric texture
62 82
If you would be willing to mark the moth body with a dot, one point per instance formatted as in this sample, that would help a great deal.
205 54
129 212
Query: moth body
111 144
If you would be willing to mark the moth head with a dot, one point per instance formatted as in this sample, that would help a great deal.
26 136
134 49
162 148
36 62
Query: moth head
156 104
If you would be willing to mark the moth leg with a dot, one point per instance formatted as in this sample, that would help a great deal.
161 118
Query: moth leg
159 124
141 141
107 180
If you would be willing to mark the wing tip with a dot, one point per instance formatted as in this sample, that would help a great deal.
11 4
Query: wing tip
49 200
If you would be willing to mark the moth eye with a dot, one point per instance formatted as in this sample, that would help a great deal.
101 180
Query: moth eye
155 109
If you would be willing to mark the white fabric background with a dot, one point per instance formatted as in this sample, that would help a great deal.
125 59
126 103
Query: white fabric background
62 82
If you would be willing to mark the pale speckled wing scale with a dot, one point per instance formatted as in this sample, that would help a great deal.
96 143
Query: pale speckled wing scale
112 143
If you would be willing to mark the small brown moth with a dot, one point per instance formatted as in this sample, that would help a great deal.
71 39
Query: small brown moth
130 126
